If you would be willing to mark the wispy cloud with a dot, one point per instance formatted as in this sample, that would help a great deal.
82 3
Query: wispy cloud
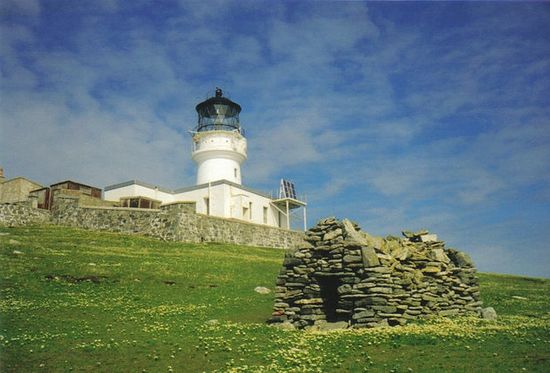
410 116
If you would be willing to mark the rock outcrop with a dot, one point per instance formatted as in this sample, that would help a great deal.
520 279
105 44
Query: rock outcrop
342 274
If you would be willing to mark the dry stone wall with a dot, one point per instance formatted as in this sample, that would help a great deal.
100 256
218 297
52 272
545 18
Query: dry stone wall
343 275
21 214
174 222
67 212
202 228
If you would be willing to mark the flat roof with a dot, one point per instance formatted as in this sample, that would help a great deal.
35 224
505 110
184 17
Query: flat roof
184 189
219 182
136 182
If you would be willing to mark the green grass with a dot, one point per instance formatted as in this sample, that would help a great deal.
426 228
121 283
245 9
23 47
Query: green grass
78 301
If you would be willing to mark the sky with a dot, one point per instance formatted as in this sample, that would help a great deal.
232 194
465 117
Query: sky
399 116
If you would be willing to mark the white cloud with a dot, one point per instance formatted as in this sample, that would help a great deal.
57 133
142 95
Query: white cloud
386 121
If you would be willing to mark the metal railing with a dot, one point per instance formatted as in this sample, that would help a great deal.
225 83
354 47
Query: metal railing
218 127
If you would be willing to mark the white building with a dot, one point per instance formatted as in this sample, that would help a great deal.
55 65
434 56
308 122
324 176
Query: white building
219 148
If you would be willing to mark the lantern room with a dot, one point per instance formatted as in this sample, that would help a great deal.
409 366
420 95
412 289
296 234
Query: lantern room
218 113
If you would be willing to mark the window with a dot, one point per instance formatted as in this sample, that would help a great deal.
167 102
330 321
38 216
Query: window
207 205
134 202
235 172
265 215
247 211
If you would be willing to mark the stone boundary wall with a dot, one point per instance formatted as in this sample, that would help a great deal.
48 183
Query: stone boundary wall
344 276
173 222
21 214
68 212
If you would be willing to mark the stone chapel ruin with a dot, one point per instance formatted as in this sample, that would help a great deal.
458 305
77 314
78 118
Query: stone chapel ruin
341 274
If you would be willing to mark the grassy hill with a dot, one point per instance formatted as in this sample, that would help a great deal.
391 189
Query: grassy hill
77 301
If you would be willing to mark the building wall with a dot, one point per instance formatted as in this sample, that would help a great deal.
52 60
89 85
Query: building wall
242 198
16 190
135 190
81 188
118 193
199 197
84 200
226 201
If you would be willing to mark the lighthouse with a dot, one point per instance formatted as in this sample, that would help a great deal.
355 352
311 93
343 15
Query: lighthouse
219 145
218 149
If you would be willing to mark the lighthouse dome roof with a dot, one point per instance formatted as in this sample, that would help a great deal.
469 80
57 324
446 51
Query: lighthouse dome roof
218 99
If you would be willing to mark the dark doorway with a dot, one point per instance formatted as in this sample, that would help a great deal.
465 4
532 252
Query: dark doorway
329 293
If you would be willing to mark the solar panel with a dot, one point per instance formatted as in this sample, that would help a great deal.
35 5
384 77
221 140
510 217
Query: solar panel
287 189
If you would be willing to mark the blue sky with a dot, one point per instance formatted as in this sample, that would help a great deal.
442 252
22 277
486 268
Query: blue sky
396 115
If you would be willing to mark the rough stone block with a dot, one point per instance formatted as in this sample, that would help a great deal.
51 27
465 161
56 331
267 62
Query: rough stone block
439 255
344 289
352 258
310 301
489 313
379 289
449 312
428 237
370 259
377 271
362 314
326 326
332 234
430 270
385 309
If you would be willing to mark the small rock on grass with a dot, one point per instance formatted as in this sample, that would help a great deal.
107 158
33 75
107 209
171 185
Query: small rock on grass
489 313
284 326
518 297
13 242
327 326
17 252
262 290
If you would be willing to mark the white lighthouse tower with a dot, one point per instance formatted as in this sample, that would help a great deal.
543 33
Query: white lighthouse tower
219 149
219 146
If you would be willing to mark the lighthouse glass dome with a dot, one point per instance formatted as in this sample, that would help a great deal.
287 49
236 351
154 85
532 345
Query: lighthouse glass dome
218 114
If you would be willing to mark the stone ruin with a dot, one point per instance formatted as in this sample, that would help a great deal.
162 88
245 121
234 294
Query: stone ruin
344 277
